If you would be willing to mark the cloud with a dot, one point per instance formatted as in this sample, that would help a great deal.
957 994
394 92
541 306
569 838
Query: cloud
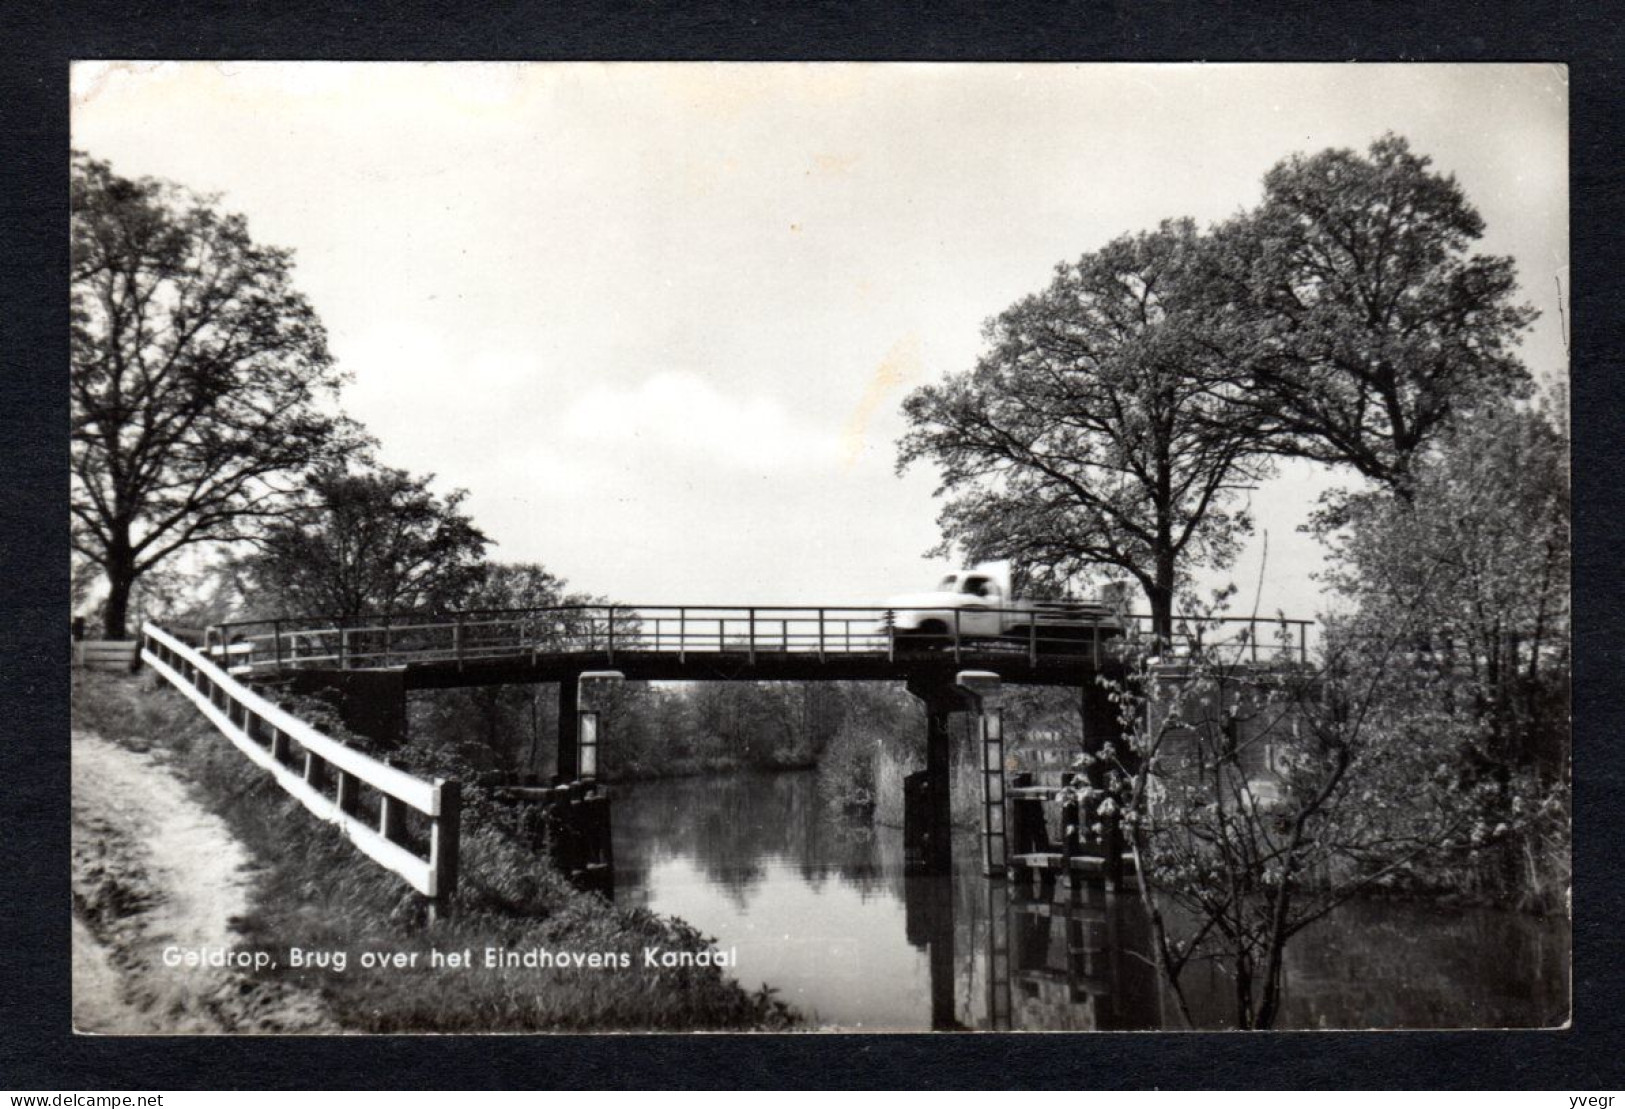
683 416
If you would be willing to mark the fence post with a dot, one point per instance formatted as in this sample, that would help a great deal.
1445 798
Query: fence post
682 635
276 636
1252 638
391 813
610 634
391 819
457 640
279 745
444 836
349 793
315 771
751 648
820 635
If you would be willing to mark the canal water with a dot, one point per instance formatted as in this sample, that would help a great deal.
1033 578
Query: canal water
816 904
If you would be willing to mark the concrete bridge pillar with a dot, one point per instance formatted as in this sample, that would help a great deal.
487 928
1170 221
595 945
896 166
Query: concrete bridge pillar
941 701
581 706
596 687
568 762
985 693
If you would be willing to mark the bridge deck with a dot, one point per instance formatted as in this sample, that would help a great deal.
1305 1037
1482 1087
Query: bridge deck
832 643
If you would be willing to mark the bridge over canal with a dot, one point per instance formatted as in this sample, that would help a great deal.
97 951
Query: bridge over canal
368 664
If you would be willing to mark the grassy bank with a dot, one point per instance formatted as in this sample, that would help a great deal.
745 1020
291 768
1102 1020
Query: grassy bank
315 892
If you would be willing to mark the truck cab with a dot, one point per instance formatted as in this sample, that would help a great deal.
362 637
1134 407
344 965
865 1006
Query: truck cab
969 602
977 604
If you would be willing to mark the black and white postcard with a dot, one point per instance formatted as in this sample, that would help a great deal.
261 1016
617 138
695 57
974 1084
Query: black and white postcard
796 547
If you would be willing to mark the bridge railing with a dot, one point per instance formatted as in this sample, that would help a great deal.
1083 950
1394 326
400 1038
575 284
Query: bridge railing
466 637
416 830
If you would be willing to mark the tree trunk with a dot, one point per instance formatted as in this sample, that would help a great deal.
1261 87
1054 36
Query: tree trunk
116 612
1244 993
1160 593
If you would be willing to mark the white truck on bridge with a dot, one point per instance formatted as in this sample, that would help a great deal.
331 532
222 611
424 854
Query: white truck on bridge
977 604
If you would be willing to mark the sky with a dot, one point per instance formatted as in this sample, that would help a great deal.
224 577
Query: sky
658 319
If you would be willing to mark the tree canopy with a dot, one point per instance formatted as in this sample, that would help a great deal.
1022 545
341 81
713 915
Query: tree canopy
1370 323
367 541
1090 434
198 376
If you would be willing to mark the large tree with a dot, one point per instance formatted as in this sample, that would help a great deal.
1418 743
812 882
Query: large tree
366 541
1371 323
1090 433
197 380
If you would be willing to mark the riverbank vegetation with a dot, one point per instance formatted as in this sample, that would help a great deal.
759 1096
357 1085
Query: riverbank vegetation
314 891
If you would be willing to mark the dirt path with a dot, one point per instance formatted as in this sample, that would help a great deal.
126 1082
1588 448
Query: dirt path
156 876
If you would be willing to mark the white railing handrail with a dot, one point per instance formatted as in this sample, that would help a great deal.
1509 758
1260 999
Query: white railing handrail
435 877
385 778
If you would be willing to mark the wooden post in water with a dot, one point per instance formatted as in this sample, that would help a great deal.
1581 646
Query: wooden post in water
998 957
591 821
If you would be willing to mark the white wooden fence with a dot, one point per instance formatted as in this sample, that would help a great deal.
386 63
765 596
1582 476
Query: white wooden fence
115 655
330 778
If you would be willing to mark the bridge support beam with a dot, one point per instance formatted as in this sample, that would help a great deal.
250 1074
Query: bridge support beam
941 701
371 703
985 693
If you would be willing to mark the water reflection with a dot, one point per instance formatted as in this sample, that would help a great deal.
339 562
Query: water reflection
820 908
